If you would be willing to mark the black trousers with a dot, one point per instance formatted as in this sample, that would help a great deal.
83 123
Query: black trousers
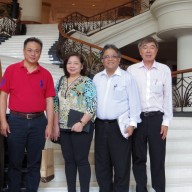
148 132
75 149
112 157
29 135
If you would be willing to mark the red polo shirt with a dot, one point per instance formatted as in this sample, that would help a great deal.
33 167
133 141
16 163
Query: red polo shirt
27 91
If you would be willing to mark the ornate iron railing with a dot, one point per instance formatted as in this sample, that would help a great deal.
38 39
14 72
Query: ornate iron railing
182 90
98 22
91 53
8 25
90 25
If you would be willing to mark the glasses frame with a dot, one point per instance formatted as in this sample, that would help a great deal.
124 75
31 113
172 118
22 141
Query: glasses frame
112 57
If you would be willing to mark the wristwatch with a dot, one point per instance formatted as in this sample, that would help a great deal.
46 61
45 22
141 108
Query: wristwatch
82 123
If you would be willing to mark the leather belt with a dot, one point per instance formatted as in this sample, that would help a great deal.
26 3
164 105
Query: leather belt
27 115
151 113
107 120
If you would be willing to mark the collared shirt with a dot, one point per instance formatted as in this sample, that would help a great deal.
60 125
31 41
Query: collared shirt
117 94
27 91
155 88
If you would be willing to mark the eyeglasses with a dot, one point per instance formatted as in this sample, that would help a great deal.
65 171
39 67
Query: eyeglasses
36 52
107 57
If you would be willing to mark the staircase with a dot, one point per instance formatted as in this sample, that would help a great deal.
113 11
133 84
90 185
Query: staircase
179 142
3 38
178 162
48 33
11 51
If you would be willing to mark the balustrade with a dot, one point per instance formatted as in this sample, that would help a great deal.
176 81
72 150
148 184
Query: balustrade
182 90
10 19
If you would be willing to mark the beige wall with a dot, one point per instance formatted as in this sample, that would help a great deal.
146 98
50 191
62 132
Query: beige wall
31 10
45 13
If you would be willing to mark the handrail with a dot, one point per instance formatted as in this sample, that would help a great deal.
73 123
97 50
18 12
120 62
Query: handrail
91 45
182 89
174 73
90 25
98 22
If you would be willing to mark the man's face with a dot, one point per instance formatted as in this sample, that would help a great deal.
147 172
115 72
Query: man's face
110 60
148 52
32 52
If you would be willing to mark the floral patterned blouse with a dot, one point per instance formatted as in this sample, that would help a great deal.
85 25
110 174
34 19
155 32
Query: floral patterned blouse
80 96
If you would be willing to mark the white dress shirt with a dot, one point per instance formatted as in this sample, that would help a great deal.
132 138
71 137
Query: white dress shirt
117 94
155 87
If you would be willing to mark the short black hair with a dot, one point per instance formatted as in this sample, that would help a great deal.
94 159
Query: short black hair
33 39
148 40
110 46
82 61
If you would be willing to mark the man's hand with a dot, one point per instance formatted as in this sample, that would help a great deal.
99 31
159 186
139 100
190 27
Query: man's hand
164 130
48 132
130 130
5 129
55 132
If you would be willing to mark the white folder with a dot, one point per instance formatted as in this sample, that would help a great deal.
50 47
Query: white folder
123 121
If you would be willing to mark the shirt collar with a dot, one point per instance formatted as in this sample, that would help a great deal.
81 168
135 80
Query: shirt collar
22 66
117 72
141 64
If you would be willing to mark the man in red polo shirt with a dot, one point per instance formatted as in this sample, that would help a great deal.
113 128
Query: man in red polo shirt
30 89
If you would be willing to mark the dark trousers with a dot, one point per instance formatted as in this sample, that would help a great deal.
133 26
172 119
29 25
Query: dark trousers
112 158
26 135
75 148
148 132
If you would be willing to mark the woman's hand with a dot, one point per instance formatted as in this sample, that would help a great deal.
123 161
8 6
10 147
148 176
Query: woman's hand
77 127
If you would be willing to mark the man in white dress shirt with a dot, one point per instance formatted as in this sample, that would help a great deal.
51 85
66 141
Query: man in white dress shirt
116 93
155 88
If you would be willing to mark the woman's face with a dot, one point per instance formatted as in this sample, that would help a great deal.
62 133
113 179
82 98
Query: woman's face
74 66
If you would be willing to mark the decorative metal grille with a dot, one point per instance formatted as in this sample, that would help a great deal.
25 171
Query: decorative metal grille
182 92
91 25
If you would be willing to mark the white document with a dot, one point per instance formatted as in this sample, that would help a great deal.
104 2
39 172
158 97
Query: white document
123 121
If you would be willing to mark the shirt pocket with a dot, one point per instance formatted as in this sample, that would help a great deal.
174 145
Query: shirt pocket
119 93
157 87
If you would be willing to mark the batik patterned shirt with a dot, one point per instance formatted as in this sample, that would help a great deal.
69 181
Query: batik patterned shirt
80 96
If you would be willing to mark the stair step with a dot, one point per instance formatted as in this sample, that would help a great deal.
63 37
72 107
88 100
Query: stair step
173 171
176 185
171 158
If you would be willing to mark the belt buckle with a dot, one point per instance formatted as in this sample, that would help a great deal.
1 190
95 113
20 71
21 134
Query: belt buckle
28 116
146 114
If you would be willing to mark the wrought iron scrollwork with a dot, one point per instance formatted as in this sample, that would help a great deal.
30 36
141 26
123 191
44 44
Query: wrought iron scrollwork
9 26
182 92
98 22
90 25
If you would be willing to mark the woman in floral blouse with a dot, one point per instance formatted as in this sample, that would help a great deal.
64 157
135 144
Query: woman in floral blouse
75 91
